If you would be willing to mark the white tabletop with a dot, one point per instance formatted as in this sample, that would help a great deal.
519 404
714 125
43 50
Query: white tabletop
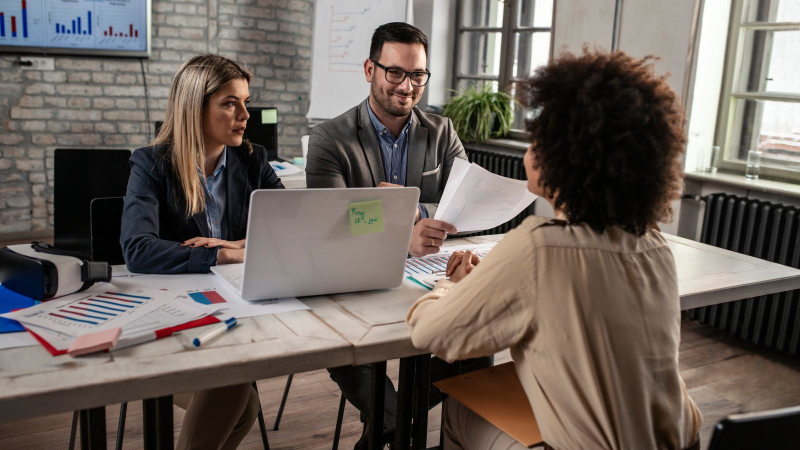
374 322
342 329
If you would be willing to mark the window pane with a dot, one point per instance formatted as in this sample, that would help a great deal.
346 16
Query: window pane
482 13
773 62
537 13
464 84
480 53
520 113
532 49
770 126
773 11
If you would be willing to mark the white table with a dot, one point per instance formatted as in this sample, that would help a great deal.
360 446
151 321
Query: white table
342 329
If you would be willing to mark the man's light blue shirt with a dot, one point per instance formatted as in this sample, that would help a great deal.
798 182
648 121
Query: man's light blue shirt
394 153
216 192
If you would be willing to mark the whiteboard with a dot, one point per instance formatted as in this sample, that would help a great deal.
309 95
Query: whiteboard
342 34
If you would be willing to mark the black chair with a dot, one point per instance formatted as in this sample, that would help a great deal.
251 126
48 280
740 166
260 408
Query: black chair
775 430
339 416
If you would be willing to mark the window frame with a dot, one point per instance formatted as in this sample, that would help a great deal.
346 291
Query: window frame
507 31
729 128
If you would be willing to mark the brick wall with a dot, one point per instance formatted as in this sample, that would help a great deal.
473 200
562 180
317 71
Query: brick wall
99 102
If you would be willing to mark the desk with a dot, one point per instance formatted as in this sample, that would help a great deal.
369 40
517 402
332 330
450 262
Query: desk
340 329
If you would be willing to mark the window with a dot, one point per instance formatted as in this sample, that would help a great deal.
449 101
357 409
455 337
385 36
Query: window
501 42
760 106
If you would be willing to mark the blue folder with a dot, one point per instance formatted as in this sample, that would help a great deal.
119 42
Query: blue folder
9 301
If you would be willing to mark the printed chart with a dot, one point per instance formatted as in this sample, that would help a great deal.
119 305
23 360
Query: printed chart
83 313
426 265
79 24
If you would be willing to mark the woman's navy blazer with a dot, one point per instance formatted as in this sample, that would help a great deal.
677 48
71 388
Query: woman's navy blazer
154 221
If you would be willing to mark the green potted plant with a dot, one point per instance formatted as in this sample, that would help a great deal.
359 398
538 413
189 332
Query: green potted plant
480 113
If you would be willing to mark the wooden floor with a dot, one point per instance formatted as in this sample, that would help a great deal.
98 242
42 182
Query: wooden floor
723 375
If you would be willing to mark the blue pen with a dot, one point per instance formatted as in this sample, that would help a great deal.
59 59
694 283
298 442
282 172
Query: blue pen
214 332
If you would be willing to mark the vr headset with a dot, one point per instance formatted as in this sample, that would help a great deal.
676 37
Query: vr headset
41 272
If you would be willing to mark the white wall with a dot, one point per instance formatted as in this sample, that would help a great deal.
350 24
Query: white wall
583 22
436 19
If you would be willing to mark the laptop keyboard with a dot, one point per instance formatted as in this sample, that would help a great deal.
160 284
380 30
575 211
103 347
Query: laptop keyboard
236 279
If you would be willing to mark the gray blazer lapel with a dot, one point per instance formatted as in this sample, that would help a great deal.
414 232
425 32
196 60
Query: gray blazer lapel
417 148
370 145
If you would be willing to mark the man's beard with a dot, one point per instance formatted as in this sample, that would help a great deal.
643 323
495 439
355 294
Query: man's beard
387 105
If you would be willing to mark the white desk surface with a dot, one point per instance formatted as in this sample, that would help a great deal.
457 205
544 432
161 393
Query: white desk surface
34 383
374 322
342 329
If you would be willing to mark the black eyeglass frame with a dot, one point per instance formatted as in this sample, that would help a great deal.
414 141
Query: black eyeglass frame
405 74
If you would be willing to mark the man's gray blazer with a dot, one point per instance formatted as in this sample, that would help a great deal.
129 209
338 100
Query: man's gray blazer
344 152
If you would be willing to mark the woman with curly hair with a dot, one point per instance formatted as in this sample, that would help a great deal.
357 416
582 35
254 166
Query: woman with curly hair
588 302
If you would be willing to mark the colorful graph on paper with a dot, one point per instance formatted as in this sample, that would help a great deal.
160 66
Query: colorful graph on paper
207 297
83 313
438 262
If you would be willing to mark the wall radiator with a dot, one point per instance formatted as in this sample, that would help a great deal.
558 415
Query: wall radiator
507 165
768 231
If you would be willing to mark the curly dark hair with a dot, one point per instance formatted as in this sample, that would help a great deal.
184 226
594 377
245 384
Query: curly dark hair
607 135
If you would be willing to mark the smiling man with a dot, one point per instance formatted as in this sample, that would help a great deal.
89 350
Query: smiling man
386 140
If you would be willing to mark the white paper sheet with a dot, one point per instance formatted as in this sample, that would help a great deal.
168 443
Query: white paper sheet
200 283
96 309
18 339
475 199
284 168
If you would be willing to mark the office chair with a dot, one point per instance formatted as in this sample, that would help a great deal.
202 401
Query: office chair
775 430
339 416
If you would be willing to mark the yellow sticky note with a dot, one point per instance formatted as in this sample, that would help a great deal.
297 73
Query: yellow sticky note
366 217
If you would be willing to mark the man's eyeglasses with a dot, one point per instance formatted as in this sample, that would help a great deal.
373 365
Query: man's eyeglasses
397 76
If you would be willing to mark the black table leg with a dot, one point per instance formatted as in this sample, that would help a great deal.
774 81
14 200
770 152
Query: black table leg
157 418
376 405
422 384
93 429
405 403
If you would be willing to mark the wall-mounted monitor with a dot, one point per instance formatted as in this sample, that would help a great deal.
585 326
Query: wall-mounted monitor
76 27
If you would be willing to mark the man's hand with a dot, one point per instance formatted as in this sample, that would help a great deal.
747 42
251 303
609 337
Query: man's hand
428 236
384 184
211 243
461 265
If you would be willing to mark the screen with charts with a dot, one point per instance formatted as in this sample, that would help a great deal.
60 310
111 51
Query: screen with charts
78 27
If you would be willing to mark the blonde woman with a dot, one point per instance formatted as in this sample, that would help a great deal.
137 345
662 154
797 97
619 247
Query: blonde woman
186 210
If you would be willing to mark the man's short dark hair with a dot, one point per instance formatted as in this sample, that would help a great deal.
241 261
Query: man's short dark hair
396 32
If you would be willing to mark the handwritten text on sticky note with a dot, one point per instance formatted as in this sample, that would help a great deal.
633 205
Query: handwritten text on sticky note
366 217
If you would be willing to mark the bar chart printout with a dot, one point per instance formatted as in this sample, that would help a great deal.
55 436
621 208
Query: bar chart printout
17 17
83 313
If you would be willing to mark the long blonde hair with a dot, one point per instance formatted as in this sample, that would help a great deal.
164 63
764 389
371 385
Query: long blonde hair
182 132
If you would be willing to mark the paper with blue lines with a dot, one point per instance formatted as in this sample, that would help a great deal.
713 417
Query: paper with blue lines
431 264
82 313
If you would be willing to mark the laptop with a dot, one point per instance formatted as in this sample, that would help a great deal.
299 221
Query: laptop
323 241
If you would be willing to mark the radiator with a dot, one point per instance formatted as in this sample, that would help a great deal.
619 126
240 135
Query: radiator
507 165
768 231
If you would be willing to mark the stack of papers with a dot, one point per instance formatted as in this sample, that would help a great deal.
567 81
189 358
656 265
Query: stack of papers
475 199
284 168
141 313
427 270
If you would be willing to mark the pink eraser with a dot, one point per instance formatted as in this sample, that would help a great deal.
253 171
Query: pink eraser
95 342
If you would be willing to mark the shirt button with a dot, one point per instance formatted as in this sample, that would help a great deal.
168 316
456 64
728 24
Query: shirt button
215 222
395 177
395 145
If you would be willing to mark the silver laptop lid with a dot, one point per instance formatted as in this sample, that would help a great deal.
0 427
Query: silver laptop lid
326 241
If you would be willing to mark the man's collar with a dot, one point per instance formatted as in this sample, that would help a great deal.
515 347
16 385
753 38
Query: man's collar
380 128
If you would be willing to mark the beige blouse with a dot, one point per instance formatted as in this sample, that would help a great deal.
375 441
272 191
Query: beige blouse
593 323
